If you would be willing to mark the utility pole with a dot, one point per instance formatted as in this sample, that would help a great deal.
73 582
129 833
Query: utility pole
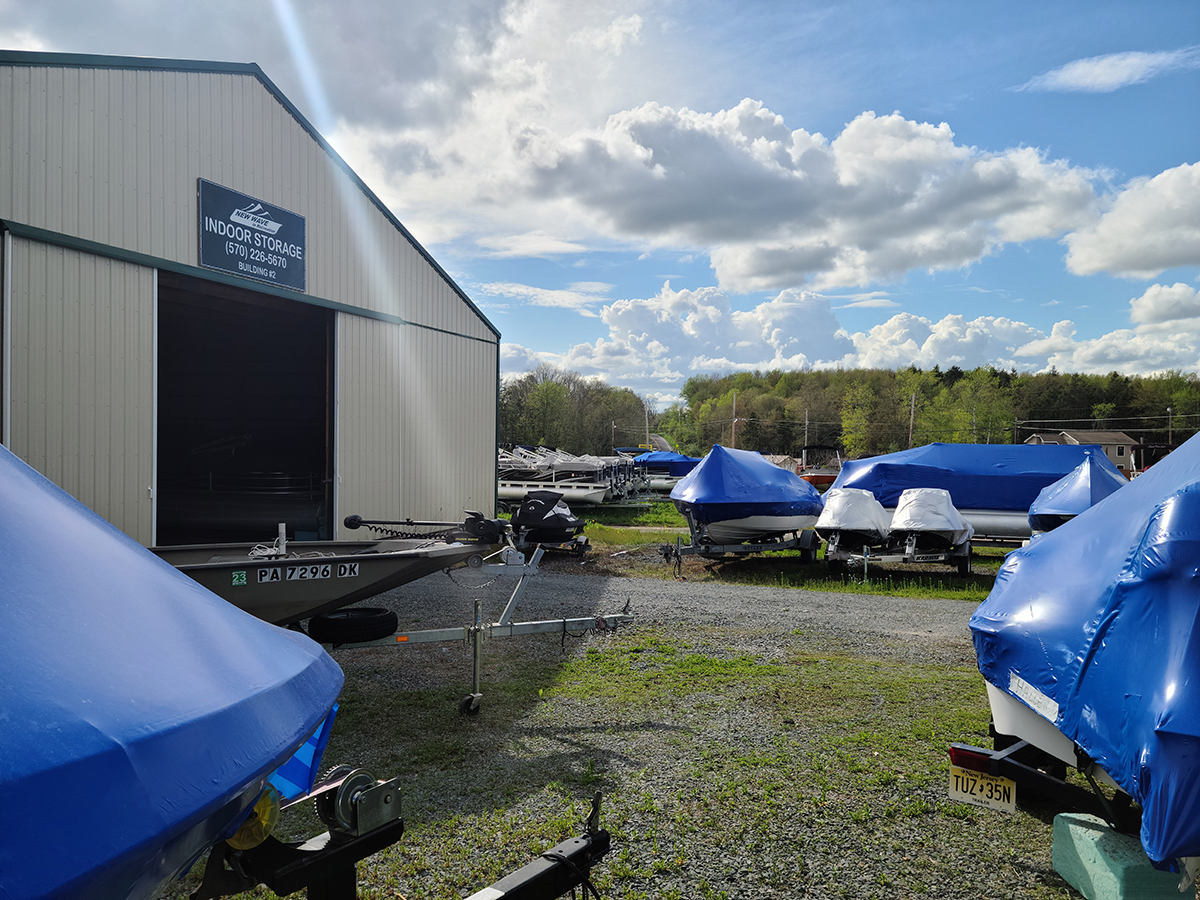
912 413
1169 411
646 410
733 425
804 451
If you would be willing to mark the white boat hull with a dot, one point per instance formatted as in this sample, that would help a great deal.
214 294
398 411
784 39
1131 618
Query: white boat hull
573 492
1012 717
752 528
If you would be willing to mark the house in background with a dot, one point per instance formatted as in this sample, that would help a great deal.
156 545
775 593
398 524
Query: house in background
1118 446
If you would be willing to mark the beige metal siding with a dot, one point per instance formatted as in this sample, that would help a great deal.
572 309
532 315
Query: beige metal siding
448 428
368 421
114 155
82 370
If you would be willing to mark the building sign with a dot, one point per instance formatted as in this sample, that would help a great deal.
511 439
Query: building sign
247 237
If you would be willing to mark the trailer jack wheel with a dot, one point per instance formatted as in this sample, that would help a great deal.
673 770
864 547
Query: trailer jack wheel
469 705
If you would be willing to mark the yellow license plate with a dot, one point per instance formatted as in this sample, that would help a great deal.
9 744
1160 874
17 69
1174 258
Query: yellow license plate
981 789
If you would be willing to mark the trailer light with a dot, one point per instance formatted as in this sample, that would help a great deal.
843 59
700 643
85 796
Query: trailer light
970 758
260 823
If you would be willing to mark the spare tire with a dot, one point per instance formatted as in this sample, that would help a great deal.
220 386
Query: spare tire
353 625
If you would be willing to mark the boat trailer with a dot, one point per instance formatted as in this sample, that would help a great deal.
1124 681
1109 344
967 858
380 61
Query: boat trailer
839 560
806 541
510 562
363 817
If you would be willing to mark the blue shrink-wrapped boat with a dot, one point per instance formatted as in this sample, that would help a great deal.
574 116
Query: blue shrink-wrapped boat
143 715
992 485
664 468
1089 483
736 496
1089 638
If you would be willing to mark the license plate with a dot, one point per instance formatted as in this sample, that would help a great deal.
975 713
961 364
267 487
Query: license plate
981 789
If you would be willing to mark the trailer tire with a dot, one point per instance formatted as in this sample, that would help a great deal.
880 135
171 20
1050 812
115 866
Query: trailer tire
353 625
964 562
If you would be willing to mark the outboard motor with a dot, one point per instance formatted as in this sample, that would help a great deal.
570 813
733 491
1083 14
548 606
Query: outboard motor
545 518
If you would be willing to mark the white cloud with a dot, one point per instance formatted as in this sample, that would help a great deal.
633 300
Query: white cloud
22 39
1161 304
531 244
1103 74
1153 224
581 296
776 207
653 345
869 300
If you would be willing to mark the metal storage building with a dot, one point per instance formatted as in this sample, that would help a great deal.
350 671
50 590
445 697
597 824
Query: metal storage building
211 324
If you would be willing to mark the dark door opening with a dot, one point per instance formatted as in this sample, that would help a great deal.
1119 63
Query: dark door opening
244 415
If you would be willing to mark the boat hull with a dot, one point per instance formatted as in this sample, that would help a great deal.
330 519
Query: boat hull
581 492
315 577
756 528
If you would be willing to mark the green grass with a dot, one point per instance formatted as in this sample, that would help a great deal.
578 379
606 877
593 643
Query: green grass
661 514
799 764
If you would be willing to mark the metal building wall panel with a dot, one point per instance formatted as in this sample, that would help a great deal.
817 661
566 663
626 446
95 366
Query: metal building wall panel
448 425
368 421
83 378
113 155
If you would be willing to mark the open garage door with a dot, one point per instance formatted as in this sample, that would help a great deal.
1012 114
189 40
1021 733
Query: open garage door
245 404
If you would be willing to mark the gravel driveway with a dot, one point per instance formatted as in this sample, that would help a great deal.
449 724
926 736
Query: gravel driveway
686 822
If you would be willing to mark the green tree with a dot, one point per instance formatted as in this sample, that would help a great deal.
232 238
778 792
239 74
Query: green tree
857 405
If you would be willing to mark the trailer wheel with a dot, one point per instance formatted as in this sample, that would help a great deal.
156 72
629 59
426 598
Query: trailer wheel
352 626
808 554
836 566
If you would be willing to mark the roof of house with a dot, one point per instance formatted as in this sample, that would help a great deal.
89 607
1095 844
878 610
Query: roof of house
1082 437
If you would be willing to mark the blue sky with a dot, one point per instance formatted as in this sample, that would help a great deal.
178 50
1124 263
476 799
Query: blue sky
646 191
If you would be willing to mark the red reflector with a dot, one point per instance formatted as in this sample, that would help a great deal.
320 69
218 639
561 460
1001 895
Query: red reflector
968 758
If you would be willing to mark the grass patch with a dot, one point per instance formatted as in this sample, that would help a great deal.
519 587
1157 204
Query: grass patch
794 761
661 514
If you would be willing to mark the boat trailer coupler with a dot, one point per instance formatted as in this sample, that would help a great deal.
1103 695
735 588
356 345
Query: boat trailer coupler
327 864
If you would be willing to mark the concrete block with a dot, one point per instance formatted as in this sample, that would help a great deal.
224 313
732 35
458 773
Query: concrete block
1103 864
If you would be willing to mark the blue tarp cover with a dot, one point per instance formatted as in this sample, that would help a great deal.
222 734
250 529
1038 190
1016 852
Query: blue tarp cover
141 713
674 463
978 476
1089 483
736 484
1096 621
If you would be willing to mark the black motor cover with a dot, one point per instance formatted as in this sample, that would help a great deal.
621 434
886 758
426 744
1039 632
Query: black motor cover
544 518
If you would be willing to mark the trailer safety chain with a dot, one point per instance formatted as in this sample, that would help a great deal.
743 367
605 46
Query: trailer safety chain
409 535
585 881
470 587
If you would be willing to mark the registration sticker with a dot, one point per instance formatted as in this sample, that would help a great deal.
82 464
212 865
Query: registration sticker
981 789
239 578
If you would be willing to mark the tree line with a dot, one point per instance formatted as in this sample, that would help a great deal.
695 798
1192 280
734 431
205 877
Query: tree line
859 411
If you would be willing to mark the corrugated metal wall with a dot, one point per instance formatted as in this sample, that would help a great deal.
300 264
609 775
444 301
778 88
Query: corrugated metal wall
440 447
82 369
113 155
368 420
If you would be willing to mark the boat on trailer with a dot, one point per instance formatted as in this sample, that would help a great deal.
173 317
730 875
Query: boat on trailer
736 497
991 485
144 716
1086 485
1088 646
286 581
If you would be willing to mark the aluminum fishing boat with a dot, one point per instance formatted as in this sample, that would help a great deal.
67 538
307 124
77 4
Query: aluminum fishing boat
287 581
1089 645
